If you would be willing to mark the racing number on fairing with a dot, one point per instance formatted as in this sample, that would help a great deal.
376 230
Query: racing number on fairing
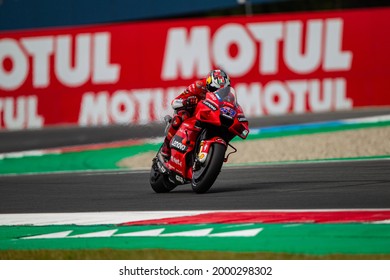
228 111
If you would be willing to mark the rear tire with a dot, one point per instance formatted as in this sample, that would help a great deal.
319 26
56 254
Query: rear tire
159 181
204 178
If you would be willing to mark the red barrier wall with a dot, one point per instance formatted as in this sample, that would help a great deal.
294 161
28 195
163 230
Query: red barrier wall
128 73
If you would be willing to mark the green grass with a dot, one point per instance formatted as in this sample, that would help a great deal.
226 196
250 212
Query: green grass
109 254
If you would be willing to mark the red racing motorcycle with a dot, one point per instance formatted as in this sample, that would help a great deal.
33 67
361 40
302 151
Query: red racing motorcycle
199 145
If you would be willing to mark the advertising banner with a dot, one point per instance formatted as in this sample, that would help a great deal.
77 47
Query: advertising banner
128 73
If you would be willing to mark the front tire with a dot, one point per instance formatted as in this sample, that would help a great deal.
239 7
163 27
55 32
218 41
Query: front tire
205 176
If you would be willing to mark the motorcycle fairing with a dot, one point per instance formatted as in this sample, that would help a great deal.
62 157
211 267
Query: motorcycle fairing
212 109
182 145
166 168
205 147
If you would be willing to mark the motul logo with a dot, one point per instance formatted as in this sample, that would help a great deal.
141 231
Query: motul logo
73 67
20 112
191 53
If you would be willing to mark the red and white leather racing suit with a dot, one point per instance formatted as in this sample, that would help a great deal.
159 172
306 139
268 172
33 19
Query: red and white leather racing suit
184 106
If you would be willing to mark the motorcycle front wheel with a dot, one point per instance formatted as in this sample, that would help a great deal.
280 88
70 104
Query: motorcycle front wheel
204 177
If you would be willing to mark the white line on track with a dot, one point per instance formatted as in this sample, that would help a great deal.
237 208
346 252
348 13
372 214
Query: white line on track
119 217
79 172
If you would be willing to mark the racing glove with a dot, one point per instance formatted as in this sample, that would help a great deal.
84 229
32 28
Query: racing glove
190 102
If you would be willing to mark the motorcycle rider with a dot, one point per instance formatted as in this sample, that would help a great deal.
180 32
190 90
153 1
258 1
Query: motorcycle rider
184 104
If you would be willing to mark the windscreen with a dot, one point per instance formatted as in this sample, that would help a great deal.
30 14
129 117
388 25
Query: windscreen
226 94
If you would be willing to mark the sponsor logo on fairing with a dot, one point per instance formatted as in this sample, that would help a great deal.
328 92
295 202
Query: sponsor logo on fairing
161 167
178 145
176 161
242 119
180 179
210 105
202 157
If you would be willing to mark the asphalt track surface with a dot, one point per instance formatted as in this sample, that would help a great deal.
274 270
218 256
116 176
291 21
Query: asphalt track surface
341 185
327 185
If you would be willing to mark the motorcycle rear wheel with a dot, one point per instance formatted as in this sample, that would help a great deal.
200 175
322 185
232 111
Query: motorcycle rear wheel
205 176
159 181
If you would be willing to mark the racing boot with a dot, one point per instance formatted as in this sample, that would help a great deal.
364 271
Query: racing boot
165 150
172 125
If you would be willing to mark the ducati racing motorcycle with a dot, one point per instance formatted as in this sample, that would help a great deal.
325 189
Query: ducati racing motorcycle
198 148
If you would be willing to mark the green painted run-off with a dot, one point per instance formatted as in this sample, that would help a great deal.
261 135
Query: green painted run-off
319 239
